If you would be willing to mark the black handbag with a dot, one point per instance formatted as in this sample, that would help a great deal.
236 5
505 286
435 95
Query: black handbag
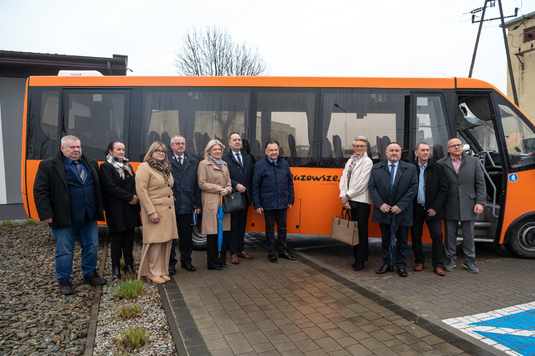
233 203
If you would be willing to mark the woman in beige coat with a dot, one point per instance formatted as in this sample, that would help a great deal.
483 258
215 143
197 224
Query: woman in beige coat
355 196
153 185
214 181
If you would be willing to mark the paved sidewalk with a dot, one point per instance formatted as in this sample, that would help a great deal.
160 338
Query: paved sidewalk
297 308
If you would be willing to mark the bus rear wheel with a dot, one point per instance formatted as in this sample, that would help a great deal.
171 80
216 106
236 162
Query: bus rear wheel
522 241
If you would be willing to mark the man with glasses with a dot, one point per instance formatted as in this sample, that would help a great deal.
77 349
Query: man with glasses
187 201
465 200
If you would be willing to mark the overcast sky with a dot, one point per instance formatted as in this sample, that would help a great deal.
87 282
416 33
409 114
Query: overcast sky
348 38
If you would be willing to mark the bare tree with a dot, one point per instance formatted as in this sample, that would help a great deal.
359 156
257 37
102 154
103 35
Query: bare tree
214 53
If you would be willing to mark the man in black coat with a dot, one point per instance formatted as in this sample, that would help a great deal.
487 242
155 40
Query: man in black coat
67 196
393 185
187 201
240 166
428 208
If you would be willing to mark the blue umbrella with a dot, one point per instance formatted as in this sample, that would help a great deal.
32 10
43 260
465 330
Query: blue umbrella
393 230
220 215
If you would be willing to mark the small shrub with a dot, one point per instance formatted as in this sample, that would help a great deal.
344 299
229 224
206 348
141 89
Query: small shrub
30 221
133 338
7 222
129 311
129 288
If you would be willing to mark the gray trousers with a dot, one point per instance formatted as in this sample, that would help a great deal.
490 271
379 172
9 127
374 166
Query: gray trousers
450 243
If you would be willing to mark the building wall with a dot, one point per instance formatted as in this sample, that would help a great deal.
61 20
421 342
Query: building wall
11 112
524 74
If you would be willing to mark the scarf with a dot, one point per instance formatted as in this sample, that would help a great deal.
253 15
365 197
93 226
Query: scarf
120 165
163 167
219 162
354 160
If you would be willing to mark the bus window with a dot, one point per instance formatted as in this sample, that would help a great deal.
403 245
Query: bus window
42 138
379 116
288 117
474 123
519 136
430 124
96 118
197 115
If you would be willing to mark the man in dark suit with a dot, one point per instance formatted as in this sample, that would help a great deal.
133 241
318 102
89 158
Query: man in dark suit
466 196
432 191
273 195
240 167
187 200
67 196
393 186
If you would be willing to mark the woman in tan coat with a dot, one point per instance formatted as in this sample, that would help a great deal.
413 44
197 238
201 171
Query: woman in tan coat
153 186
214 181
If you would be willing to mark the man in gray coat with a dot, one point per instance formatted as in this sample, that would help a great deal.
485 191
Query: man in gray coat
465 200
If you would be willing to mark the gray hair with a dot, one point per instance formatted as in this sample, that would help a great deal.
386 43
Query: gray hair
211 144
64 139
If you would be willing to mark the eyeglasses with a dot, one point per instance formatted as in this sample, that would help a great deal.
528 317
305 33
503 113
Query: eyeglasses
457 145
159 151
359 146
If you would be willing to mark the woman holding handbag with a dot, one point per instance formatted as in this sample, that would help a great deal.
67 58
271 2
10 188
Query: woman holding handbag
355 196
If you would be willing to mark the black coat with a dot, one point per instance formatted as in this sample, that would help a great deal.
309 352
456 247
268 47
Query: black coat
406 188
273 185
186 187
436 189
51 193
116 193
237 174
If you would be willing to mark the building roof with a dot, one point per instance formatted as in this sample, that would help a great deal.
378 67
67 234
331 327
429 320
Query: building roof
519 19
25 64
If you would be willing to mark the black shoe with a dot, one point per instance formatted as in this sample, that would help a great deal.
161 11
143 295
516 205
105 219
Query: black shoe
172 271
65 287
384 269
272 258
94 279
287 256
223 265
128 269
358 266
116 272
215 268
402 272
188 267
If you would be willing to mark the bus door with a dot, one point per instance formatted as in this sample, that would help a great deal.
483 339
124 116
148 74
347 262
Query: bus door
477 130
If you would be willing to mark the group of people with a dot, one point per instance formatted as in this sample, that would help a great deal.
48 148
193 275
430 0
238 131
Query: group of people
168 190
406 195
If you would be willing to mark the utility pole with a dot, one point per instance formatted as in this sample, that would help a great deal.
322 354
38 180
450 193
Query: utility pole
509 65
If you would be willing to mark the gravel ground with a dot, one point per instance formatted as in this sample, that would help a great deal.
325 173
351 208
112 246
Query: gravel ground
35 319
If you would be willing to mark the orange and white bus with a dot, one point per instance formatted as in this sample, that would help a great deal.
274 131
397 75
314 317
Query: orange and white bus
315 121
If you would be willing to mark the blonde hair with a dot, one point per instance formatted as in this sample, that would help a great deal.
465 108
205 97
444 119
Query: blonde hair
360 138
156 145
211 144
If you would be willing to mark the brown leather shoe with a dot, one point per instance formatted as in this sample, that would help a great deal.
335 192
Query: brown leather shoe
440 271
419 267
234 259
245 255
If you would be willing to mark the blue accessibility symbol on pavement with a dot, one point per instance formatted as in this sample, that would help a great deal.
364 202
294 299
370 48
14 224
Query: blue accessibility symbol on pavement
516 331
511 329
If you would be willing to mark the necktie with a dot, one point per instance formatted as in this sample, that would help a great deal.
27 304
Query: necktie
180 165
392 179
238 156
421 184
81 172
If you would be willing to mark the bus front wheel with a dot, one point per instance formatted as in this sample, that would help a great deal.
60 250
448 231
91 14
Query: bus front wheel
522 241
